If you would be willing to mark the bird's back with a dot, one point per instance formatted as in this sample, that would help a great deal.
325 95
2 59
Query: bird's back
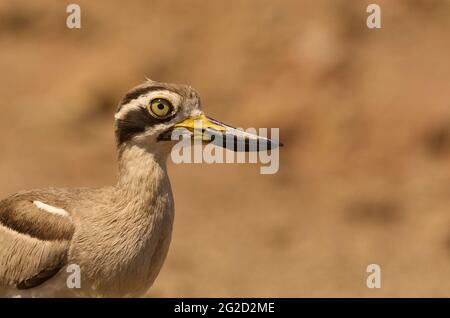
36 229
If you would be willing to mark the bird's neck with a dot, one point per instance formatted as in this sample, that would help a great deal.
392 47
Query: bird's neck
143 195
141 217
142 174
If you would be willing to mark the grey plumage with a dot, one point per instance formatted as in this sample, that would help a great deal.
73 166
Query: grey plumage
118 236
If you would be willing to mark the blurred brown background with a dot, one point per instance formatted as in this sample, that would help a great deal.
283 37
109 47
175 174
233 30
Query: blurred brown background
364 116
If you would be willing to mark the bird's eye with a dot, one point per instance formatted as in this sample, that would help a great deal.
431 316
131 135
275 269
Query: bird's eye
160 108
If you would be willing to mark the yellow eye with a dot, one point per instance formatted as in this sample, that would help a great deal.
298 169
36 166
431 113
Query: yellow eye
160 108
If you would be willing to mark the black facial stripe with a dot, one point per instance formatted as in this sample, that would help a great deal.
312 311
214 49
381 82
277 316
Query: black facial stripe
136 121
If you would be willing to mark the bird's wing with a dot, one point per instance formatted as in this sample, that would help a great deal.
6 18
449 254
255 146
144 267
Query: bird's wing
35 236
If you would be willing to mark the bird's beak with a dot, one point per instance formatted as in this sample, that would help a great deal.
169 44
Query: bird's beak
211 130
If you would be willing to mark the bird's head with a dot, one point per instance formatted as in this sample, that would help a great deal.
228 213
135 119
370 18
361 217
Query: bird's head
152 113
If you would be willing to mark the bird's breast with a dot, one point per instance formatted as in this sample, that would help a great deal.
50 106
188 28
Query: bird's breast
122 254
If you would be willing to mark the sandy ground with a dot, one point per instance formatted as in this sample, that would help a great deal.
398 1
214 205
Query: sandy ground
364 115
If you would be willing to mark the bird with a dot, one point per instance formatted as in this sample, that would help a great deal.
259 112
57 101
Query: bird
118 236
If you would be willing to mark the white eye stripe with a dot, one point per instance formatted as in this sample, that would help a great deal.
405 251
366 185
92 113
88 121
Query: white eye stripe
51 209
145 99
172 97
125 110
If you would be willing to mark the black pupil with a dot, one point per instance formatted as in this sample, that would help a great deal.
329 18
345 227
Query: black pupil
160 106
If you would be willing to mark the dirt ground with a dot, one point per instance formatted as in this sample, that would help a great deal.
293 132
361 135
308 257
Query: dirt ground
364 115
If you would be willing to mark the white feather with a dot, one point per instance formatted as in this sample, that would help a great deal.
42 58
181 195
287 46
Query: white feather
50 209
